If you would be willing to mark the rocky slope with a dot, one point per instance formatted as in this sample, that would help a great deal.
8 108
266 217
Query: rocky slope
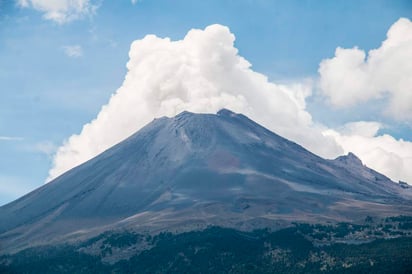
196 170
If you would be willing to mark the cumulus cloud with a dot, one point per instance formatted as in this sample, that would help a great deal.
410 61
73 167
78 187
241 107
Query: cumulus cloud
362 128
60 11
73 51
381 152
352 76
201 73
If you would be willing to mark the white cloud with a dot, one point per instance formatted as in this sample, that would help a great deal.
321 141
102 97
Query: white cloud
201 73
134 2
60 11
45 147
362 128
73 51
204 73
10 138
352 76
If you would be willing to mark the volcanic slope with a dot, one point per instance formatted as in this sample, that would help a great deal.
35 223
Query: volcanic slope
196 170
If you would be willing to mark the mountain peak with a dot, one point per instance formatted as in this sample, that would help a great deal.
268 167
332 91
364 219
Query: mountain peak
184 114
225 112
350 158
221 112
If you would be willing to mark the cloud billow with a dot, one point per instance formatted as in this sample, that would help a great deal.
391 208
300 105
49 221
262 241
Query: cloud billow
203 73
351 76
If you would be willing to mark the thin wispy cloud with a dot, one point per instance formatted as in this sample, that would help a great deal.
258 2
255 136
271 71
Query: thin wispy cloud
10 138
62 11
46 147
73 51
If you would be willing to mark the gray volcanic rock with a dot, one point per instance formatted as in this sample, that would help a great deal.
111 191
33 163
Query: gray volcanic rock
195 170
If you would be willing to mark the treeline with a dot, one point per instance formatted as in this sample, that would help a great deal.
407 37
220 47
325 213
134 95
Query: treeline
222 250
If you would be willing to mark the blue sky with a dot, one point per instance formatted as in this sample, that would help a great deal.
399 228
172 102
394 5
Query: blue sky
55 74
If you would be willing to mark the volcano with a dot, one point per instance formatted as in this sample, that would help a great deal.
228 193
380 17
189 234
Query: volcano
194 171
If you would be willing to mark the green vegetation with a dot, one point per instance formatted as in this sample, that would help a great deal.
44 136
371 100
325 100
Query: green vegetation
303 248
